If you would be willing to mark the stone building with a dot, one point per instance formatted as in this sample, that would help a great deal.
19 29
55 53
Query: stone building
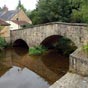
15 18
4 29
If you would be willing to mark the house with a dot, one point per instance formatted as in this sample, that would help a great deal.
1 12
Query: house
4 29
17 15
16 18
15 25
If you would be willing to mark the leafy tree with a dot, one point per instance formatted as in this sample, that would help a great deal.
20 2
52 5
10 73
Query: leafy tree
21 6
54 10
81 15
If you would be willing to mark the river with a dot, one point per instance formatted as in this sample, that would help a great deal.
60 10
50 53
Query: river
20 70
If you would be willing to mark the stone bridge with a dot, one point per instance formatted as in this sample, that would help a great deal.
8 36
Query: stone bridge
78 61
78 33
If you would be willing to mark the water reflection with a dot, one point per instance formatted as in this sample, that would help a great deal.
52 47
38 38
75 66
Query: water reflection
22 78
55 62
50 66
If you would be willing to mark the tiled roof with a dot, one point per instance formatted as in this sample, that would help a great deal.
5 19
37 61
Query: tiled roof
20 22
3 23
8 15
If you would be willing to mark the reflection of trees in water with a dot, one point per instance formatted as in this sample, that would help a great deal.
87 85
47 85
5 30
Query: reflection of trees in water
55 62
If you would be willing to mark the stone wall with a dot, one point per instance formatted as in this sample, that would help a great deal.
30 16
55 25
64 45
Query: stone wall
79 62
5 32
35 35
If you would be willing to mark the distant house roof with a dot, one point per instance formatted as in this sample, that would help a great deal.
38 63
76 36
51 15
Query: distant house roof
20 22
3 23
8 15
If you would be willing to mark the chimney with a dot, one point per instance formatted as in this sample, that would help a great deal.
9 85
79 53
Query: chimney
5 8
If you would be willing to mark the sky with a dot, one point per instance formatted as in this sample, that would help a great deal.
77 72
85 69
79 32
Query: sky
11 4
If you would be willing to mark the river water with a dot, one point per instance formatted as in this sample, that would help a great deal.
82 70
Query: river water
19 70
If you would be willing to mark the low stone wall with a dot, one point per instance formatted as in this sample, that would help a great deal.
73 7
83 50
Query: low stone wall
79 62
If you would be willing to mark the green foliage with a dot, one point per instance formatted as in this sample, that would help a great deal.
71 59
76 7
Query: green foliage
37 50
21 6
81 15
26 25
54 10
85 48
3 43
65 46
60 10
49 11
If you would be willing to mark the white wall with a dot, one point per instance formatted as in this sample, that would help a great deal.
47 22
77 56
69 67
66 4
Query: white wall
13 26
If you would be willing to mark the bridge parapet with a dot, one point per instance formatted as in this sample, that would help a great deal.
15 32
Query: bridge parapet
79 62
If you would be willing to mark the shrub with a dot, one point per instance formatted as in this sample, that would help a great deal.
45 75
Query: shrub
37 50
3 43
85 48
26 25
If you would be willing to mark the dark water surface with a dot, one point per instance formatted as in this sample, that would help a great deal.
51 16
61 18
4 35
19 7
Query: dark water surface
19 70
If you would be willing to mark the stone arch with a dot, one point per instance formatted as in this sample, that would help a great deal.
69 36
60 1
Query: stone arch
60 61
53 39
20 43
49 39
20 47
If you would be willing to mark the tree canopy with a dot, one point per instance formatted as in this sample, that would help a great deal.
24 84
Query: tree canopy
21 6
60 10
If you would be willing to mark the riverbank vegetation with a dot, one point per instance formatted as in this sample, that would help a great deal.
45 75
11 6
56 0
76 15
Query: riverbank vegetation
3 43
37 50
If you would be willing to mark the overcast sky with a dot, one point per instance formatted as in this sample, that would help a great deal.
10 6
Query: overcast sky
11 4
